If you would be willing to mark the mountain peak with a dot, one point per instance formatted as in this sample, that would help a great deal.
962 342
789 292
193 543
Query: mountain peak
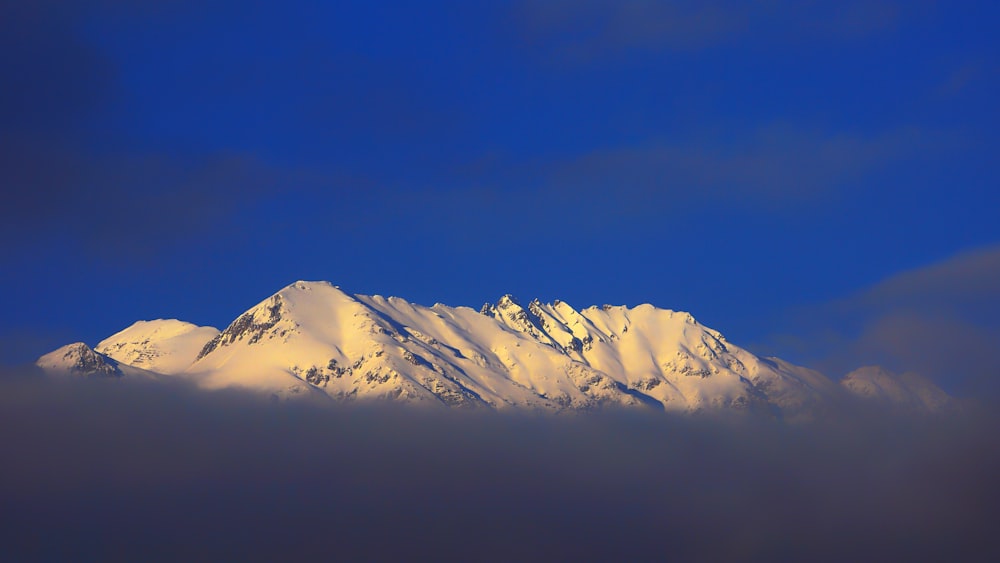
310 286
312 340
79 359
505 303
302 308
908 391
508 300
250 326
163 345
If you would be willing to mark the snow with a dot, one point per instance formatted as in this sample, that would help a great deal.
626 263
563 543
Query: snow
166 346
80 360
314 341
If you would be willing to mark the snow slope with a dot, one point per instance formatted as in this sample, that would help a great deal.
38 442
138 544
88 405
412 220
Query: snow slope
312 340
372 347
666 355
548 356
165 345
80 360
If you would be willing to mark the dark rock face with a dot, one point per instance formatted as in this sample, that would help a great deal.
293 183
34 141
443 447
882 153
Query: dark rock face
89 363
689 371
247 326
316 376
647 383
527 320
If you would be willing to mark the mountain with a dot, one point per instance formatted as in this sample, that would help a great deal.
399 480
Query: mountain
313 341
164 345
314 337
80 360
665 355
907 391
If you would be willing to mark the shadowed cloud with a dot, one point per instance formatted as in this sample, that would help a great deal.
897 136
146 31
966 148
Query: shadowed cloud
777 170
772 168
942 320
67 174
82 174
98 470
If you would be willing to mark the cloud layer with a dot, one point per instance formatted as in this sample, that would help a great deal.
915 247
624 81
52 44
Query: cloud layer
107 471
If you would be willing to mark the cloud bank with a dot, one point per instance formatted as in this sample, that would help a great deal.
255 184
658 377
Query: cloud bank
111 471
941 320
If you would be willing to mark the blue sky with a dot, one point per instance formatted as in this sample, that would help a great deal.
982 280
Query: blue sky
771 167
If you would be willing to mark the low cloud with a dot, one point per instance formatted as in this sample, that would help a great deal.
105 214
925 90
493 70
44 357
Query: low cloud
98 470
941 320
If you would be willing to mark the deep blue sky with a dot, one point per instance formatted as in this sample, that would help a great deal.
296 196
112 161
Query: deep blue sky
770 167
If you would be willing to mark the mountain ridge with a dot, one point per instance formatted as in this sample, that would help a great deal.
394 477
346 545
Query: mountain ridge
313 340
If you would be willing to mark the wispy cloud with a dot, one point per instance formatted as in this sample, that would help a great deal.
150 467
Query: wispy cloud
120 202
774 169
942 320
581 31
775 166
61 172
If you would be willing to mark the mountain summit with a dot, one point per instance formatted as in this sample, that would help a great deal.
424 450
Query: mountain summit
312 340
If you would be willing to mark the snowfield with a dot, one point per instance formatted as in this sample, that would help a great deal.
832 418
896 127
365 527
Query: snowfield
312 341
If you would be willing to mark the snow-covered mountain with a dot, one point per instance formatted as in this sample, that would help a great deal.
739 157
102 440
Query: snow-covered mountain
164 345
78 359
908 391
311 340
